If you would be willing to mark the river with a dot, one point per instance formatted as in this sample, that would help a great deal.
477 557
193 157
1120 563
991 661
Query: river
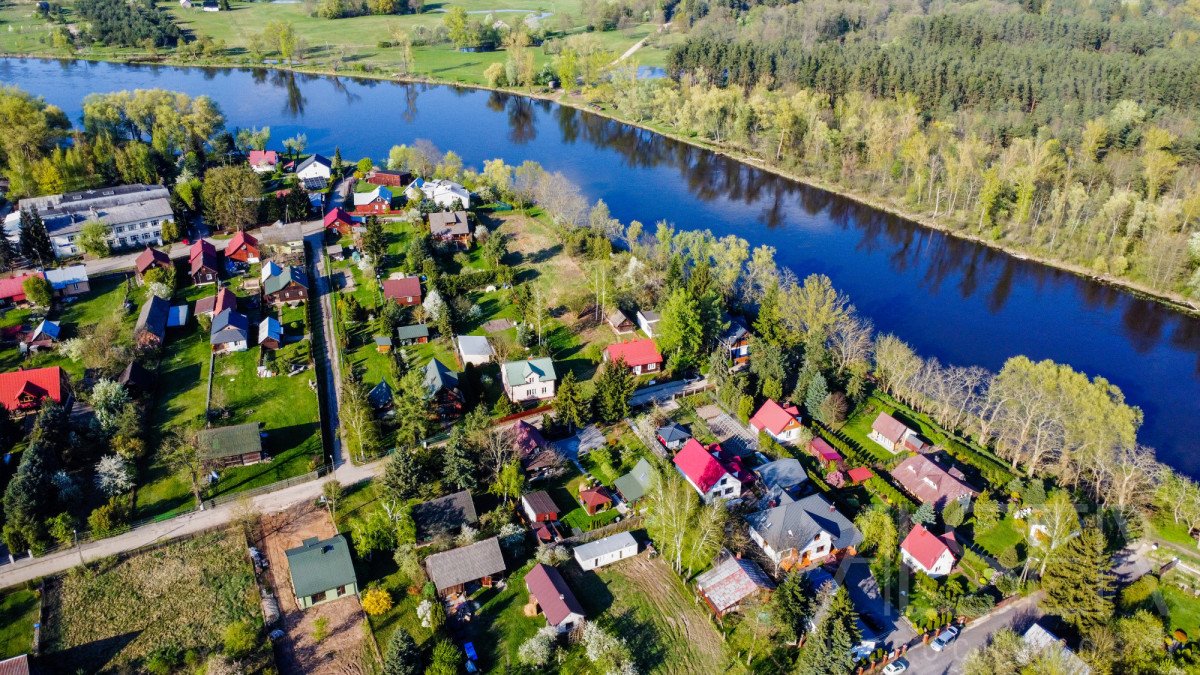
958 301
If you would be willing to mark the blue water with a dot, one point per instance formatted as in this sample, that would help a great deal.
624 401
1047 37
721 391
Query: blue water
960 302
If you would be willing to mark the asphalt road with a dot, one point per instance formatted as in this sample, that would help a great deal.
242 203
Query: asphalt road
924 661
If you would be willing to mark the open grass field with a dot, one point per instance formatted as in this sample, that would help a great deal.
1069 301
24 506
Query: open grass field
1006 534
1183 607
182 595
18 613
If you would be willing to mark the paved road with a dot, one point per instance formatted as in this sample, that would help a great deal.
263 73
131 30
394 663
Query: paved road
328 365
924 661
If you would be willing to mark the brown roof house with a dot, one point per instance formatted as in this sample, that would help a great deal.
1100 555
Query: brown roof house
202 262
930 482
453 571
151 328
222 447
539 507
620 322
730 582
895 436
450 227
549 593
444 515
150 258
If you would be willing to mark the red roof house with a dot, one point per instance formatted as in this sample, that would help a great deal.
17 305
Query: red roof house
242 248
823 451
594 500
24 390
709 471
406 291
12 289
215 304
927 552
782 423
151 257
553 596
338 219
641 356
202 259
860 474
931 483
263 161
895 436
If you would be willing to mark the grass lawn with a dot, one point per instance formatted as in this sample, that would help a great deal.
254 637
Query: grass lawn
501 626
1183 607
18 612
616 459
1002 537
182 594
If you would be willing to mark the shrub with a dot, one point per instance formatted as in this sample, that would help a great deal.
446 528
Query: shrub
108 518
320 629
1136 594
240 639
376 601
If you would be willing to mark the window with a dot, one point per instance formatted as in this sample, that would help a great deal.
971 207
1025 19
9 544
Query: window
318 597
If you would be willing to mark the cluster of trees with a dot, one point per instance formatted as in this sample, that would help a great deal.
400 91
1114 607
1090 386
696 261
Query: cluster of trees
338 9
129 24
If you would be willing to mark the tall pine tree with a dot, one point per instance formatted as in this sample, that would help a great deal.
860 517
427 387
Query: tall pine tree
1078 581
570 405
826 651
614 388
34 239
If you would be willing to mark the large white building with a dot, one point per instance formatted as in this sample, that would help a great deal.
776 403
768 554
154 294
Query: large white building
135 215
445 193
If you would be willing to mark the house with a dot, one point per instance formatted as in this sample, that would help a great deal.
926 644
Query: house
68 281
238 445
150 331
538 458
17 665
859 474
539 507
444 516
595 499
549 592
528 380
337 219
202 263
450 227
730 582
453 570
802 533
930 483
415 334
895 436
12 289
136 379
230 332
672 436
134 214
389 178
441 386
263 161
150 258
335 252
635 484
23 391
648 320
606 551
822 450
528 438
782 476
640 356
321 570
548 531
781 423
445 193
215 304
243 248
406 291
315 168
378 200
713 475
283 284
924 551
475 350
735 340
270 333
186 4
44 336
1039 639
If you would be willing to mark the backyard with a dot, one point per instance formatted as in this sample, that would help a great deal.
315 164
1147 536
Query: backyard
18 613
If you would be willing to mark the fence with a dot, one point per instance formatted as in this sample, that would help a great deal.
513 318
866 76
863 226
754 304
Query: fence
624 525
264 489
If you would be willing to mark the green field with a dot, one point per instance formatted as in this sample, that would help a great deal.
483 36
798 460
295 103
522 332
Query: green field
18 613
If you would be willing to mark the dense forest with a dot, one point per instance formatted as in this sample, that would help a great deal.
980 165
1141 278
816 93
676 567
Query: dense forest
129 24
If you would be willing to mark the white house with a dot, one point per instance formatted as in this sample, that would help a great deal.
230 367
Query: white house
926 552
528 380
445 193
803 532
782 423
315 167
606 551
475 349
706 470
648 320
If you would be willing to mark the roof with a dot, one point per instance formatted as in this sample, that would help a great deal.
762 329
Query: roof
412 332
649 315
889 427
468 563
553 595
135 374
406 287
449 224
634 353
928 481
178 316
444 514
13 288
380 395
337 215
153 317
263 157
925 546
438 376
149 258
782 473
215 304
518 371
859 474
239 240
383 341
616 317
774 417
529 437
795 524
672 432
41 383
320 565
380 192
540 502
635 484
314 159
240 439
596 496
700 467
202 247
734 334
609 544
17 665
270 329
50 329
62 277
229 326
731 581
823 450
281 277
1041 639
115 206
474 345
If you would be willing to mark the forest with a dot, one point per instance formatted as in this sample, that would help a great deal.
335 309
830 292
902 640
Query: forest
129 24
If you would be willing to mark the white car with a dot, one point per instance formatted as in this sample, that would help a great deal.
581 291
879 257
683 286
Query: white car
895 667
945 638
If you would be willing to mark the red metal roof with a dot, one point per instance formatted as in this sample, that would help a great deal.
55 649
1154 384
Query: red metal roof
924 546
399 289
774 417
263 157
700 467
150 257
596 496
39 383
860 474
13 288
635 353
240 240
824 451
547 586
337 215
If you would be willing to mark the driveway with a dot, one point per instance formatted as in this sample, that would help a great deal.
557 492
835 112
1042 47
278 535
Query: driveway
1019 615
732 435
889 630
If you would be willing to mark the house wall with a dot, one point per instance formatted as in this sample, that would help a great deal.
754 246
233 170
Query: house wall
941 567
331 594
878 438
204 276
646 326
607 558
474 360
121 236
236 346
534 391
771 554
314 171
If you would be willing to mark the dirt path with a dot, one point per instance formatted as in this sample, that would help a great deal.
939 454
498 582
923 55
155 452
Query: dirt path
640 43
298 652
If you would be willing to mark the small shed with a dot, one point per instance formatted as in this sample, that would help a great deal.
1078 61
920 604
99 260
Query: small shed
673 435
270 333
606 551
238 445
178 316
538 506
730 582
595 500
321 571
380 396
415 334
383 344
444 515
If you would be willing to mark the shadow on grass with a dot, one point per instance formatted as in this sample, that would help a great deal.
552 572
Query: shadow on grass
91 657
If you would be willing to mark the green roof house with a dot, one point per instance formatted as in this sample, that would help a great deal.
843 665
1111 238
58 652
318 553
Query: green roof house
528 380
321 571
238 445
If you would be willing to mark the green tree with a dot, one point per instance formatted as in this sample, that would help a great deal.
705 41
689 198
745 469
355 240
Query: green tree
374 241
412 410
614 387
93 238
402 657
230 196
34 240
38 291
458 27
240 639
680 332
1078 581
509 482
444 660
459 468
29 494
954 513
402 475
570 406
792 606
814 395
878 528
925 514
8 255
987 512
826 650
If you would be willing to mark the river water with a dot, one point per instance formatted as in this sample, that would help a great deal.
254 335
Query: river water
958 301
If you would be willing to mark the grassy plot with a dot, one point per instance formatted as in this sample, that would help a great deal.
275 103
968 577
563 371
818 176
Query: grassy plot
180 595
1005 535
1183 606
18 613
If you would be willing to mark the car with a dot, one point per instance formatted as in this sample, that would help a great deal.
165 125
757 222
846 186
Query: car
895 667
944 639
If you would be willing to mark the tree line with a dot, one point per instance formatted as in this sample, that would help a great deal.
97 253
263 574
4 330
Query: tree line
129 24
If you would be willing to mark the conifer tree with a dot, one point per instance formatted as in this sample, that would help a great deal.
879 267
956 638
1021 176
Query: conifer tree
1078 581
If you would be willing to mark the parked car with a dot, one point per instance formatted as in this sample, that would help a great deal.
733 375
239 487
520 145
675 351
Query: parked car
895 667
942 641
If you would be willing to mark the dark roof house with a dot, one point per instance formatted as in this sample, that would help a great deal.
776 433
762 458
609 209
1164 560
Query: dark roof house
731 581
151 327
321 570
237 445
444 515
452 570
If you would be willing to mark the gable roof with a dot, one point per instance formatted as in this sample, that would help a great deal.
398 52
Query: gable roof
240 439
547 586
201 248
699 466
734 334
270 329
889 427
1040 639
515 372
823 450
215 304
449 224
412 332
62 277
795 524
320 565
406 287
13 288
41 383
239 241
635 353
50 329
925 546
528 437
731 581
263 157
438 376
616 318
594 496
338 215
609 544
17 665
774 417
229 326
926 480
468 563
782 474
540 502
635 484
149 258
153 317
859 474
380 192
380 395
314 159
444 514
672 432
281 277
136 375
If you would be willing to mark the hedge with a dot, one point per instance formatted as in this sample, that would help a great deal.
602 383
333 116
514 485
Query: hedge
456 284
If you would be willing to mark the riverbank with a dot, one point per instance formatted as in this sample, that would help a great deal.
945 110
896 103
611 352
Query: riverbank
1175 301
